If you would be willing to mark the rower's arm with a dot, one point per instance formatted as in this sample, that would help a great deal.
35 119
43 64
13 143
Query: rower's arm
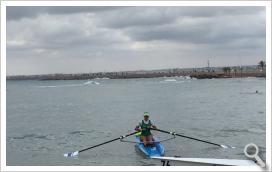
153 126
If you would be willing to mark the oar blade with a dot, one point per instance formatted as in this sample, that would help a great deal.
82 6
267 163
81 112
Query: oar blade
224 146
71 154
227 147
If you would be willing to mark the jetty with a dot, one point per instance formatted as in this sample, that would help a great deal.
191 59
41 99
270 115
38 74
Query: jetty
199 73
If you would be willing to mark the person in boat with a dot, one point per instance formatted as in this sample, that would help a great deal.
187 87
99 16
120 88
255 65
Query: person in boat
144 127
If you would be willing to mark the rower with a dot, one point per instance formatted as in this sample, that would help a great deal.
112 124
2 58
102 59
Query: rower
144 126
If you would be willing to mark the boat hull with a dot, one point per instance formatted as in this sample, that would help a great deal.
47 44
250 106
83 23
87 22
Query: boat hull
177 161
157 149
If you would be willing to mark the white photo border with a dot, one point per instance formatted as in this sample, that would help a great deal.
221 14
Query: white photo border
4 4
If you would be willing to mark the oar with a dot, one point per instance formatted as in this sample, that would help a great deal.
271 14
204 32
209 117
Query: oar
176 134
73 154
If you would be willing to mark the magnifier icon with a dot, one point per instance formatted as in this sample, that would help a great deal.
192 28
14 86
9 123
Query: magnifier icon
251 151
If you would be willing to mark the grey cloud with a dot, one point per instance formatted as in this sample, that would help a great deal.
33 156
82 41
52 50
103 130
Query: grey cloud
60 32
18 12
149 16
207 25
135 16
212 31
130 38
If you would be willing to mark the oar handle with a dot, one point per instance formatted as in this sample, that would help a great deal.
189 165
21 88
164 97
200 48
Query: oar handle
121 137
173 133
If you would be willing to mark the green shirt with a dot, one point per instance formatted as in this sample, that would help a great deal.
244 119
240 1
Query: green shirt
145 128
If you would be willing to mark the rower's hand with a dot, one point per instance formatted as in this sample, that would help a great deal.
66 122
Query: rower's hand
138 129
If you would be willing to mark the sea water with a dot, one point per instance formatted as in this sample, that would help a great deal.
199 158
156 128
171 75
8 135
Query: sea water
46 119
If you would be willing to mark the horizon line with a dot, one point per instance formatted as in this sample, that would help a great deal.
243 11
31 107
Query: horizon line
131 70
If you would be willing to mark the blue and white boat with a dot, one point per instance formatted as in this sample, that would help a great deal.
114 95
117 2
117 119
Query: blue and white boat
154 149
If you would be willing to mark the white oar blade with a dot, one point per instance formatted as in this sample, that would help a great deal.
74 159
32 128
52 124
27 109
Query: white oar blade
72 154
225 146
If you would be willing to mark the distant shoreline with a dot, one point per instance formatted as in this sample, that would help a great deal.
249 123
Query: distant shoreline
199 73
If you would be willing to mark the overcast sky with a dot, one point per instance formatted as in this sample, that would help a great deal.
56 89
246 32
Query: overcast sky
43 40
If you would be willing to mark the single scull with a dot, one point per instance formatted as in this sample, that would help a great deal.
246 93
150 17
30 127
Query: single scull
156 152
153 149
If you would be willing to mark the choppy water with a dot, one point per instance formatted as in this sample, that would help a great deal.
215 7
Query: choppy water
48 118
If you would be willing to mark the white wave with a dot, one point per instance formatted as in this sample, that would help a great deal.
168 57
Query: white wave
70 85
50 86
102 78
175 81
181 81
187 77
57 86
170 80
88 82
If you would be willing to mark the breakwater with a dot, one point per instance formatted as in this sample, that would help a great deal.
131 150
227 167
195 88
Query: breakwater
200 73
